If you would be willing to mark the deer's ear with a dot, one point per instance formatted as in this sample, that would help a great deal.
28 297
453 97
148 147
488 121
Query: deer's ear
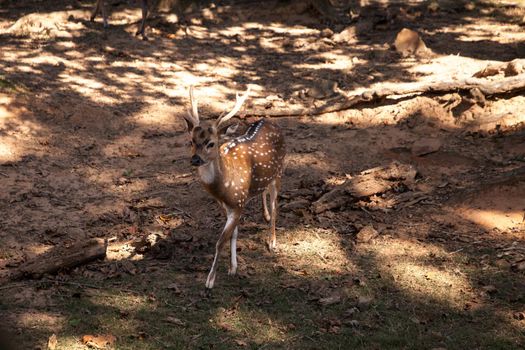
190 123
230 130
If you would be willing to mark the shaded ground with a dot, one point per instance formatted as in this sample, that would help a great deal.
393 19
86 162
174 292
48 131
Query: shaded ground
92 145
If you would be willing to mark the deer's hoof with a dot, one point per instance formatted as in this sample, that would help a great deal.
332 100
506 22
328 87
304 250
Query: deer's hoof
210 282
232 271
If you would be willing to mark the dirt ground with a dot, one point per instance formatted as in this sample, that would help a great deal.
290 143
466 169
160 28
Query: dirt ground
92 144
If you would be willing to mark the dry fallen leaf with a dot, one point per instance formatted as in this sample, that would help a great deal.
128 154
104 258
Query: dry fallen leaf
225 326
488 71
490 289
52 342
165 218
520 316
363 303
102 341
174 287
175 321
241 342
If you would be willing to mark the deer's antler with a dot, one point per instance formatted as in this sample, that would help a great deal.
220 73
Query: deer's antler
193 112
238 104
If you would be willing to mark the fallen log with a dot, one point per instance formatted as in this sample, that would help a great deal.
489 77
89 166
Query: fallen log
486 87
62 258
511 68
367 183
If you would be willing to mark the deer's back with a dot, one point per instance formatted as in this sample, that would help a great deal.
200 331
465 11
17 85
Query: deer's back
253 160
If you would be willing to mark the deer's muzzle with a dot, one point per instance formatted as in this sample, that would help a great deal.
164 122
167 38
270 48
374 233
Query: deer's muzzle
196 160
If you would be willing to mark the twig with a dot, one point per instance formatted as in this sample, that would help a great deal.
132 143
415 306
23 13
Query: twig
366 211
183 212
322 257
86 285
164 345
456 251
4 174
412 202
12 285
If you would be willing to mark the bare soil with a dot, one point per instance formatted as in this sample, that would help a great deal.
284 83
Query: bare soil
92 144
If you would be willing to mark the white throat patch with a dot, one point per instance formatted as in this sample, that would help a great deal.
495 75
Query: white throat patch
207 173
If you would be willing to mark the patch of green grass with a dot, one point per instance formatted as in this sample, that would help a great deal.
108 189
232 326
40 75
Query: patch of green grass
277 305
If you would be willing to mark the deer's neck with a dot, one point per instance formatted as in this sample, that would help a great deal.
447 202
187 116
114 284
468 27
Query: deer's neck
214 175
210 173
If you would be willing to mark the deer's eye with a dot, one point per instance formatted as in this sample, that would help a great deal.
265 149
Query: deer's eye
210 145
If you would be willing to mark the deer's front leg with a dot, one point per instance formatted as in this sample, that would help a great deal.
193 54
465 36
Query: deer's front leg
95 10
229 228
233 252
141 28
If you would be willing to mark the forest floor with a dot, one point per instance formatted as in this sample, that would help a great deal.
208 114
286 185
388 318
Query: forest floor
92 144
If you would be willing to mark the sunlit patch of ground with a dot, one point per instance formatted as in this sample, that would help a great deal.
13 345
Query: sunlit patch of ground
250 326
412 266
312 250
496 206
17 129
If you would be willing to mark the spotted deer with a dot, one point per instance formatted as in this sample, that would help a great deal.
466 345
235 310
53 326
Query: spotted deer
100 6
236 170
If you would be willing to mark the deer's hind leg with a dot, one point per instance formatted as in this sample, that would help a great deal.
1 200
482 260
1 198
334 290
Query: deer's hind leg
266 212
273 189
100 5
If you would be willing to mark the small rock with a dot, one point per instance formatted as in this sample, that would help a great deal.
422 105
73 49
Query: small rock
322 88
426 146
366 234
502 264
327 33
409 43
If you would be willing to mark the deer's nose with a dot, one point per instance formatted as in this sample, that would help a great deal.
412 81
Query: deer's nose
196 160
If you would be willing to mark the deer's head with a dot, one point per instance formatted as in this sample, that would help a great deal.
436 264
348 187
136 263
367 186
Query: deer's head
205 135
